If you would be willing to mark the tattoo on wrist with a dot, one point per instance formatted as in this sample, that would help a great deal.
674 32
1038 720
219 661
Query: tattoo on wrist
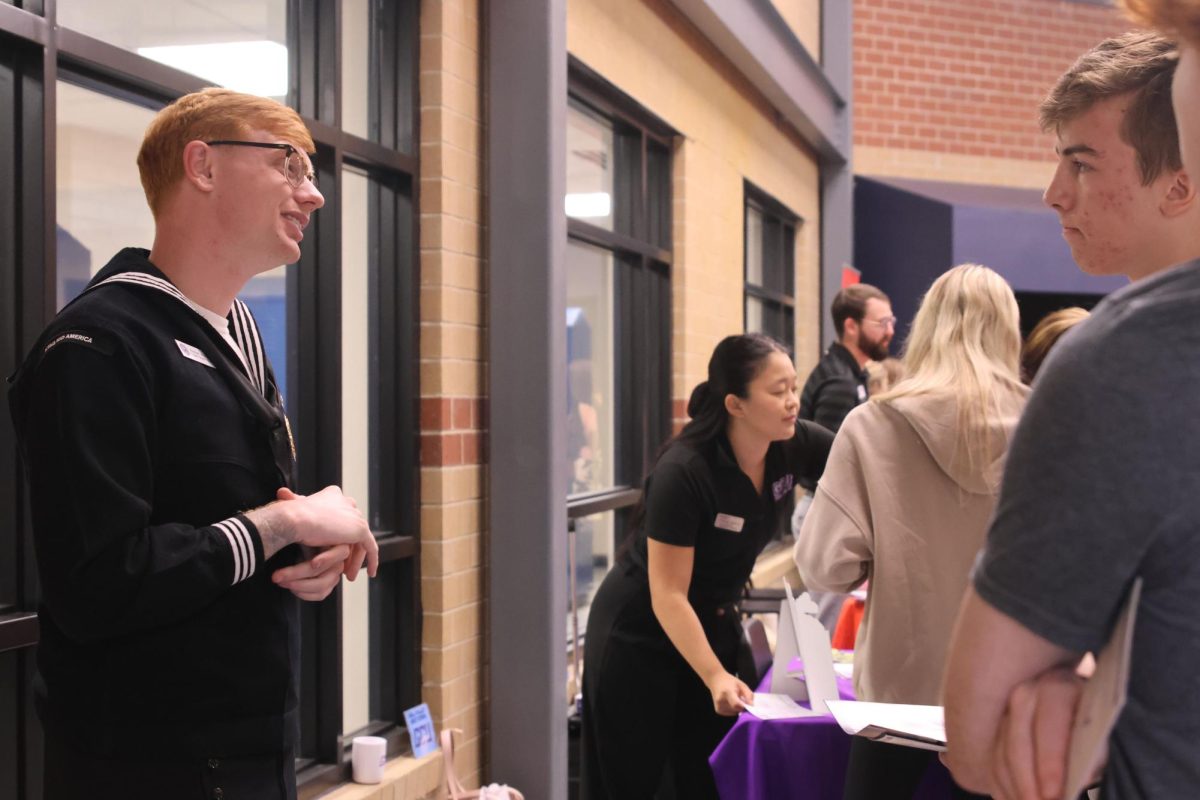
273 530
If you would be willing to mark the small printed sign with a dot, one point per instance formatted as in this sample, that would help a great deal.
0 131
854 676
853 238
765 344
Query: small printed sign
420 730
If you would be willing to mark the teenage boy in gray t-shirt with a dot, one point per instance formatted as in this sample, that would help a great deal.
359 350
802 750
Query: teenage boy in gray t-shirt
1103 479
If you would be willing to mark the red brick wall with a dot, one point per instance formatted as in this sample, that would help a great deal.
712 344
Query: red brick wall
965 76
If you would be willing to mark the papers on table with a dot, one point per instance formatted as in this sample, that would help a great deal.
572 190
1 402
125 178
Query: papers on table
1102 700
778 706
844 670
923 727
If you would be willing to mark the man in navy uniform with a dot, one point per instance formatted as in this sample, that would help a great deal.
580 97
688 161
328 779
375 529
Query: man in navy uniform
160 468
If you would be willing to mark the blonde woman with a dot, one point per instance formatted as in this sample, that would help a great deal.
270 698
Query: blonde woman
905 501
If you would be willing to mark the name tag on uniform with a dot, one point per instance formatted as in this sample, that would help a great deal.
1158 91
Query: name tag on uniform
194 353
728 522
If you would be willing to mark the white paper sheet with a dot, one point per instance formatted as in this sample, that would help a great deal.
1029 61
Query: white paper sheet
923 727
778 706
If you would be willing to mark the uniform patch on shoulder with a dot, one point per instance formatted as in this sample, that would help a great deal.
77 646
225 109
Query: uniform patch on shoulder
92 339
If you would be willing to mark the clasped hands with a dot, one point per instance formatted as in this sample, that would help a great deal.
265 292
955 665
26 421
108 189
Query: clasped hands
335 535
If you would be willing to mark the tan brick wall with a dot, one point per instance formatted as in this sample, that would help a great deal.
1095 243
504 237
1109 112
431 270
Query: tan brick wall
452 373
728 133
948 89
804 18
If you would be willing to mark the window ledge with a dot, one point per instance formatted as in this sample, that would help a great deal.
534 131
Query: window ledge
404 778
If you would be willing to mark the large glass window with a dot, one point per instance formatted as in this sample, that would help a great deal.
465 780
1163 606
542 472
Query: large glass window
357 354
590 374
356 63
770 255
99 197
377 619
589 167
618 316
241 44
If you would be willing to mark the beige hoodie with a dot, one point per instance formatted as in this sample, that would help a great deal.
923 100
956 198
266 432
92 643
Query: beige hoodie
902 505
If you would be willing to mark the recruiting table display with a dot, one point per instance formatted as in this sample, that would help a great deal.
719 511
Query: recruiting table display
801 635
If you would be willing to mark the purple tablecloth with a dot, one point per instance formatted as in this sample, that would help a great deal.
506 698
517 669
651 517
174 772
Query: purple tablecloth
796 759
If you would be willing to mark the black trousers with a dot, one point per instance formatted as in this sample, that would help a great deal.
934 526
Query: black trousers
73 775
879 771
643 706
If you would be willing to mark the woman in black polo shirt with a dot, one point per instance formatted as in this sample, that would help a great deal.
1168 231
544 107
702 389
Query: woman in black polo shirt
663 631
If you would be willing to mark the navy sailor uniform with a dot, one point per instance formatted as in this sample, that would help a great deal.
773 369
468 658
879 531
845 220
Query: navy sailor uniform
146 438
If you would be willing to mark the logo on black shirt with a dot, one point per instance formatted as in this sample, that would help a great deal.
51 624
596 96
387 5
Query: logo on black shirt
782 486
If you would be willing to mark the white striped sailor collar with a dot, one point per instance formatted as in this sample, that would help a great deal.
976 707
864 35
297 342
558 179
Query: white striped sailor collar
242 324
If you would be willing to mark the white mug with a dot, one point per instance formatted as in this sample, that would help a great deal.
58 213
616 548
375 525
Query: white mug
367 757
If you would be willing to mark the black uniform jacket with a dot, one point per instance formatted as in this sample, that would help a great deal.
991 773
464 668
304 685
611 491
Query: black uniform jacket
698 496
144 437
836 385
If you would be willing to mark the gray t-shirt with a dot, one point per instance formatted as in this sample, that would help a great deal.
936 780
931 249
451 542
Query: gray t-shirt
1103 484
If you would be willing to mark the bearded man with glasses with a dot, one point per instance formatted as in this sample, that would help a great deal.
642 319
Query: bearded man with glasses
863 320
161 469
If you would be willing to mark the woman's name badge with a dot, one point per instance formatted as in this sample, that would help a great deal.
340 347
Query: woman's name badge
728 522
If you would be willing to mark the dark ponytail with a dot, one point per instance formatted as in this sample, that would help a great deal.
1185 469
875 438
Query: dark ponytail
735 363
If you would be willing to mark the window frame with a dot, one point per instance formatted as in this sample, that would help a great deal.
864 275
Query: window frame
36 54
779 296
642 262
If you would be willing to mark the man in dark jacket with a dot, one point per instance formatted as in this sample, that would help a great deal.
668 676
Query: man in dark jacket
160 469
862 317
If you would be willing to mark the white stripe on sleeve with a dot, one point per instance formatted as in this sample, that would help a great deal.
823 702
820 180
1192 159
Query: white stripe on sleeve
242 546
248 543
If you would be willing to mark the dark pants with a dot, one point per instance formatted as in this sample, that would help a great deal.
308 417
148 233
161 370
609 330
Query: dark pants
880 771
643 706
72 775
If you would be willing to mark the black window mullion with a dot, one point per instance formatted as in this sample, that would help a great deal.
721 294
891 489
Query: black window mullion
775 295
625 377
763 293
627 182
383 110
772 252
658 195
406 358
27 75
319 450
10 309
381 393
313 64
642 224
399 30
394 594
656 353
789 260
